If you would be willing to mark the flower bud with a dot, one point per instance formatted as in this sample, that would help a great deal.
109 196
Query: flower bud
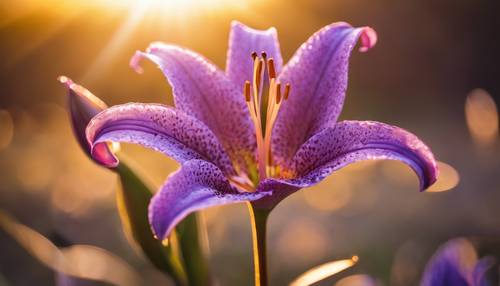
82 107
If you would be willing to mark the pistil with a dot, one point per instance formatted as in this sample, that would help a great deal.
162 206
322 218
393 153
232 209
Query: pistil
264 109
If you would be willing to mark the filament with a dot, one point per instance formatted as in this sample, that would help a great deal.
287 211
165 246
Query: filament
264 109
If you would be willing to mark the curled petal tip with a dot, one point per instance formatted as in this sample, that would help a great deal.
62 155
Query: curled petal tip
102 154
431 177
236 23
135 62
368 39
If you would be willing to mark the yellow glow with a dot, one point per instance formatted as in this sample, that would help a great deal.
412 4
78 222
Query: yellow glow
157 14
323 271
151 7
6 129
168 5
35 174
482 117
448 178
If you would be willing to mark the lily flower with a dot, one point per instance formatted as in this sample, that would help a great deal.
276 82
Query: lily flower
457 263
257 132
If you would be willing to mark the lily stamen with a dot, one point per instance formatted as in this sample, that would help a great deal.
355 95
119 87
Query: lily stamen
257 103
271 69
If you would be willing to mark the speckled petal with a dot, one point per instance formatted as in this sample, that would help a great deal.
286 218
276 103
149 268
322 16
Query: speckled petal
352 141
197 185
203 91
158 127
318 77
452 264
244 40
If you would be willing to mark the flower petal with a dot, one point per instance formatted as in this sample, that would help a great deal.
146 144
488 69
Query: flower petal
452 264
244 40
345 143
484 271
197 185
318 77
352 141
158 127
203 91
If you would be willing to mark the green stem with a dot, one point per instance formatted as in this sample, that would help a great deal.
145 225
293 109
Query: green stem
259 221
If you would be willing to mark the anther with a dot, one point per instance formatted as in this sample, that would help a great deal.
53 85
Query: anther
246 91
287 90
254 55
258 74
278 93
271 69
264 55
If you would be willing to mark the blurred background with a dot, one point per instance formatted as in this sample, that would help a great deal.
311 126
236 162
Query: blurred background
435 71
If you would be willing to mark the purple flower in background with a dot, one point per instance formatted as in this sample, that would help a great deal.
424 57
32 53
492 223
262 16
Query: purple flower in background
257 132
456 263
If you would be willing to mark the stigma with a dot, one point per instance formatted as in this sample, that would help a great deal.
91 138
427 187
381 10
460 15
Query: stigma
264 96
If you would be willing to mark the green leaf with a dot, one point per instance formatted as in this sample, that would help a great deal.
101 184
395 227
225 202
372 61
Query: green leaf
191 238
133 198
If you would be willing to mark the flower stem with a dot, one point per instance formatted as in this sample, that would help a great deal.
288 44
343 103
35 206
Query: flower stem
259 220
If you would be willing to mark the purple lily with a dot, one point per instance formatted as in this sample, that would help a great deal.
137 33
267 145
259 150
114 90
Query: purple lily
257 132
456 263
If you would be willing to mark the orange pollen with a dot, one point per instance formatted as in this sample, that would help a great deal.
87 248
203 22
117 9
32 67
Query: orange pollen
264 98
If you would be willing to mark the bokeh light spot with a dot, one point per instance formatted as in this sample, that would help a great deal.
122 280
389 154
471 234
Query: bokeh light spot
358 280
448 178
481 114
303 241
